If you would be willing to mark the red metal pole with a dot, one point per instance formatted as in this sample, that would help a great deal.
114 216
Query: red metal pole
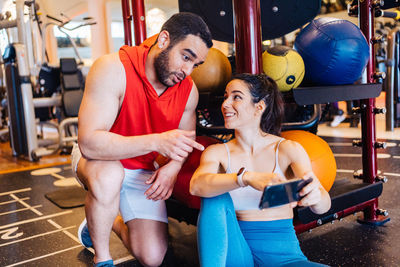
139 21
369 155
126 19
247 16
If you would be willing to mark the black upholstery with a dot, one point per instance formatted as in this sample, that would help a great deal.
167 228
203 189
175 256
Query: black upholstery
278 17
16 116
71 85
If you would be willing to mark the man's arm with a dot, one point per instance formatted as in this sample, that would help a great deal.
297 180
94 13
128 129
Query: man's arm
104 91
164 178
103 96
188 120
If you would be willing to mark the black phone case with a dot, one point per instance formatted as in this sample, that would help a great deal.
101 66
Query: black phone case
281 194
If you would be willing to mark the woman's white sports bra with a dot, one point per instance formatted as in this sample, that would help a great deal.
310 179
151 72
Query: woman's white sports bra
248 198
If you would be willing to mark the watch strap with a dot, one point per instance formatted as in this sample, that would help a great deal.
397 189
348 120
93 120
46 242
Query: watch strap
240 174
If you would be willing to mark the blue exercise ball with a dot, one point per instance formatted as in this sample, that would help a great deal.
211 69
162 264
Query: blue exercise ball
334 51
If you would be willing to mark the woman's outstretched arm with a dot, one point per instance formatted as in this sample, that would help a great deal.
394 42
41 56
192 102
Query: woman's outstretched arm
206 180
209 181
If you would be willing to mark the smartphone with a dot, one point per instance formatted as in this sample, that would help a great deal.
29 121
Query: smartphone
283 193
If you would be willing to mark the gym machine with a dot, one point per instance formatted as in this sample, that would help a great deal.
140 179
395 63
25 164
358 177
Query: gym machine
20 69
19 90
391 83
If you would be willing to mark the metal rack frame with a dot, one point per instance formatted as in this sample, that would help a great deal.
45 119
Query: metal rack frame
362 197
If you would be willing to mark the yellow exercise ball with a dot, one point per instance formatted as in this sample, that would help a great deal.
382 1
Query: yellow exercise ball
214 73
284 65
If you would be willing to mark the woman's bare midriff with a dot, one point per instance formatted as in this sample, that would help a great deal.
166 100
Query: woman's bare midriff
271 214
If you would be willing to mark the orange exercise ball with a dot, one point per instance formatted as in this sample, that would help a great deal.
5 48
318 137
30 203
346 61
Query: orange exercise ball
322 160
214 73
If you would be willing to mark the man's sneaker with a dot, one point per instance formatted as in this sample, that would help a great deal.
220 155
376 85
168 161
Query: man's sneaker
337 120
84 235
108 263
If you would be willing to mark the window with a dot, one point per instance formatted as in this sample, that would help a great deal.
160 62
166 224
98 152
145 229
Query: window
72 32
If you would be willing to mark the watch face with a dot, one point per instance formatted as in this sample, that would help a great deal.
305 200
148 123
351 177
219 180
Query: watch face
241 171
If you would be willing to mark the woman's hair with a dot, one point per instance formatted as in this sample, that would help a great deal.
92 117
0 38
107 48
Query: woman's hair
182 24
264 88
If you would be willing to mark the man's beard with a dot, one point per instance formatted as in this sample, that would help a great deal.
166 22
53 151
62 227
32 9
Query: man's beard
161 65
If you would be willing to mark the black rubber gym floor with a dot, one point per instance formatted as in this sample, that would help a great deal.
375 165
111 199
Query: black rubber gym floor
36 232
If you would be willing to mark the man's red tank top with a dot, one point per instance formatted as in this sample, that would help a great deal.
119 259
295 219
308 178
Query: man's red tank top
143 111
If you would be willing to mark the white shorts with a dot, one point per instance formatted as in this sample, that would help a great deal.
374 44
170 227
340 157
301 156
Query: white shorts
76 155
133 202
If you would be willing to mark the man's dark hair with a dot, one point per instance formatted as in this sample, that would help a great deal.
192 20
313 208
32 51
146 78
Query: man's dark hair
182 24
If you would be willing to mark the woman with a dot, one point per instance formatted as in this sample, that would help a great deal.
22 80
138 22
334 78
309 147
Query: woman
232 230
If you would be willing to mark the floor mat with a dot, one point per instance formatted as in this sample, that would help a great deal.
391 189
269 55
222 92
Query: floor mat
70 197
28 220
36 231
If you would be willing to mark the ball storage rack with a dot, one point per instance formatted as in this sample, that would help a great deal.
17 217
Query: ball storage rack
349 195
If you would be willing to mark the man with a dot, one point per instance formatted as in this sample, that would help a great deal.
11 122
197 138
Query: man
134 101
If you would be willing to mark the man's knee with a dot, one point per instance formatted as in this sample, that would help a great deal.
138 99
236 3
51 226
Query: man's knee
151 256
103 179
148 241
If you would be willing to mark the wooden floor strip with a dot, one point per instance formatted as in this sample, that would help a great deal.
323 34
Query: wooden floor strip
35 219
15 191
13 201
36 236
28 168
19 210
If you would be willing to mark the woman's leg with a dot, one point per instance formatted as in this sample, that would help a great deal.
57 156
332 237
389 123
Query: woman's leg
274 243
220 240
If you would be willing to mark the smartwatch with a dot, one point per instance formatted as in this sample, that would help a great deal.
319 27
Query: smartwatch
240 174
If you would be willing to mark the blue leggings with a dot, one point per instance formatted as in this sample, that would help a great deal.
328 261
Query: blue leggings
225 241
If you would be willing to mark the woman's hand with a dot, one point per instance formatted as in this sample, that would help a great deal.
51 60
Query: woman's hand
259 180
311 193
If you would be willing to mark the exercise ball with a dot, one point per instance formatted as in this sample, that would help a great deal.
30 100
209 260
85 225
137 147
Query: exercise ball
214 73
181 188
284 65
322 160
334 51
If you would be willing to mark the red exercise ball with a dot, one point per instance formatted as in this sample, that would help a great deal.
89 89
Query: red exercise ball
181 189
322 160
